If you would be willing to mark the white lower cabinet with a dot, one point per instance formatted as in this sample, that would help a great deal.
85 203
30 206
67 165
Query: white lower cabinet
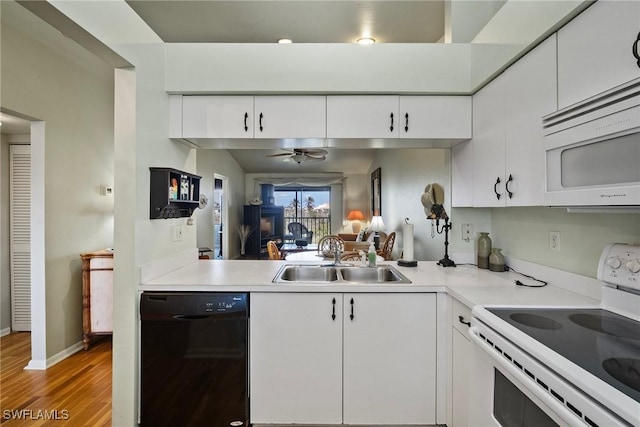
460 365
374 363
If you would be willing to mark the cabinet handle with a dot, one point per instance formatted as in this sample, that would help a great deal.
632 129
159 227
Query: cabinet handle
351 316
495 188
506 186
333 309
261 122
461 320
636 53
391 127
406 123
246 117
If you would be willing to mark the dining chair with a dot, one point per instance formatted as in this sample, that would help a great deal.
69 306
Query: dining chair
387 247
274 252
329 243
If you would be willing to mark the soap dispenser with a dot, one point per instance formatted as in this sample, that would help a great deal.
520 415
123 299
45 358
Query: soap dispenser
372 256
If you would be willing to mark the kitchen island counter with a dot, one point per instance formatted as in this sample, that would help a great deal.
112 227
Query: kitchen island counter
466 283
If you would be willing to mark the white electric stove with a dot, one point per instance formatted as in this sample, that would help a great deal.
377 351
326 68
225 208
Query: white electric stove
562 366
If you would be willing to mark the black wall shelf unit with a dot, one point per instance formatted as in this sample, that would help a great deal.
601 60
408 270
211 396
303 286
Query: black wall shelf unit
173 193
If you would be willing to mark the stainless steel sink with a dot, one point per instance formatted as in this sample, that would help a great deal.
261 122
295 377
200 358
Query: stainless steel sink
312 273
329 273
373 275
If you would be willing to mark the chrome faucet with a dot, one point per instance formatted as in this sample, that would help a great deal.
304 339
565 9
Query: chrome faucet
337 256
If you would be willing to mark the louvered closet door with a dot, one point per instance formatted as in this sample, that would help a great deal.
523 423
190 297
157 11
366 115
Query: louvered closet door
20 236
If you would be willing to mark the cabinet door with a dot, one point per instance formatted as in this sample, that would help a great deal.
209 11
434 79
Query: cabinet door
217 116
488 145
530 88
296 358
595 50
390 358
461 350
290 116
362 116
441 117
460 364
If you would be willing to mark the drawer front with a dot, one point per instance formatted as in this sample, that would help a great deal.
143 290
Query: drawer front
460 316
101 263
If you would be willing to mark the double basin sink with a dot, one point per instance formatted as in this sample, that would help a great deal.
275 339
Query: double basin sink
331 273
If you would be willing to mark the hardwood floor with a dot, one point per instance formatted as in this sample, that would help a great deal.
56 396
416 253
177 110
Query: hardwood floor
74 392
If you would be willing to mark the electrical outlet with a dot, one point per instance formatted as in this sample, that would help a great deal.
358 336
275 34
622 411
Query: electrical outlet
467 232
554 241
177 233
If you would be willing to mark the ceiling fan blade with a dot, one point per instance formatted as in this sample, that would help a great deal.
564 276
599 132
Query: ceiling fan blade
279 155
315 153
314 159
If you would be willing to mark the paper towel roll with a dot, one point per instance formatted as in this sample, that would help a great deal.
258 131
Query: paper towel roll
407 242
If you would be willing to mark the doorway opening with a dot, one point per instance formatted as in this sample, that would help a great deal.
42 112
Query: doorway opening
220 217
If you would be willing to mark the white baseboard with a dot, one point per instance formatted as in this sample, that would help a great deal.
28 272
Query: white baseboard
41 365
5 331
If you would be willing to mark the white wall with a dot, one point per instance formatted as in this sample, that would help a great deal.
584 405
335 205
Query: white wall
47 76
220 162
405 173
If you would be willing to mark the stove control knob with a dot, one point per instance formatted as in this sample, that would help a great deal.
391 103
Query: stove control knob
634 266
614 262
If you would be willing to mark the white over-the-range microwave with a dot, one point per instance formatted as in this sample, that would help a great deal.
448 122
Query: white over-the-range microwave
592 150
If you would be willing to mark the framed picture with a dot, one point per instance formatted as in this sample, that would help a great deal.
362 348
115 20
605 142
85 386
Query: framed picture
375 193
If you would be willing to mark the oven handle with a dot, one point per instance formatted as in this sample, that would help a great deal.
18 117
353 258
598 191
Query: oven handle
505 365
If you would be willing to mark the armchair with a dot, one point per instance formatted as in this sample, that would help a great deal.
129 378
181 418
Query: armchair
300 232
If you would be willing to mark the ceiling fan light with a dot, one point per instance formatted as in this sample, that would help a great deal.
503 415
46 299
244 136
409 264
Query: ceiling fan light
298 158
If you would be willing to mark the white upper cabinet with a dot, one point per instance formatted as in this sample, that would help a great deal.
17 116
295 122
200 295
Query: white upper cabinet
488 145
508 154
595 50
217 116
290 117
362 116
437 117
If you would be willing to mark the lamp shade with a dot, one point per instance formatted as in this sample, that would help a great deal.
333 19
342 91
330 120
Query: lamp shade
355 215
377 224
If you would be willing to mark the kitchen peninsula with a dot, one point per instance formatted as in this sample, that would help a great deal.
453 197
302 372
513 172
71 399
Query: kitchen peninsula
386 339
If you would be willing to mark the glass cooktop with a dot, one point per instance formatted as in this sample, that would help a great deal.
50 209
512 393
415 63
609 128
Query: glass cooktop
599 341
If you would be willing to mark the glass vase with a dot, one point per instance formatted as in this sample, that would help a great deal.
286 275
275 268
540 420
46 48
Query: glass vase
484 250
496 260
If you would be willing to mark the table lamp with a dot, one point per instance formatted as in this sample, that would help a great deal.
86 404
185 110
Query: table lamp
355 216
377 225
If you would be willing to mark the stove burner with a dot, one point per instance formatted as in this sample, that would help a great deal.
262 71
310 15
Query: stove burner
535 321
607 325
627 371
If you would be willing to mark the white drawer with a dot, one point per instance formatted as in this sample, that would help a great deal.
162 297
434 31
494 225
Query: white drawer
460 316
100 263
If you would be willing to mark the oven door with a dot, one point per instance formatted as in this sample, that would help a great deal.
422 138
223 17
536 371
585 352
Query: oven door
509 388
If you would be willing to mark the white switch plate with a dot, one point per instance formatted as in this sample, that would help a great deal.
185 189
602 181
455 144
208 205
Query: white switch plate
554 241
467 232
177 233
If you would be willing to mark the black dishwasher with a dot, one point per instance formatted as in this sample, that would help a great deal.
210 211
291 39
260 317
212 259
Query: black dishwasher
194 359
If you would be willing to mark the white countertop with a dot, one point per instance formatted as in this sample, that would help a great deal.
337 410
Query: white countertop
468 284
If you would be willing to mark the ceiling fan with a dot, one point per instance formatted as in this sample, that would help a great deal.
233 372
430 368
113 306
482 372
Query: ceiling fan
300 155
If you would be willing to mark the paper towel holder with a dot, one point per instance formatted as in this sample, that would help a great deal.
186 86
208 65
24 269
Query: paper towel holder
407 262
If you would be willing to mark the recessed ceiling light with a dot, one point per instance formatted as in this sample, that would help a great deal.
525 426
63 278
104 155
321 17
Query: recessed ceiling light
366 40
285 41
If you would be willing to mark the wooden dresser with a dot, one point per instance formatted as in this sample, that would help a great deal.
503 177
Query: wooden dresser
97 294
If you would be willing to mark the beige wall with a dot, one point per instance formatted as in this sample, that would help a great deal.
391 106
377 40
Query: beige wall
48 77
523 233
